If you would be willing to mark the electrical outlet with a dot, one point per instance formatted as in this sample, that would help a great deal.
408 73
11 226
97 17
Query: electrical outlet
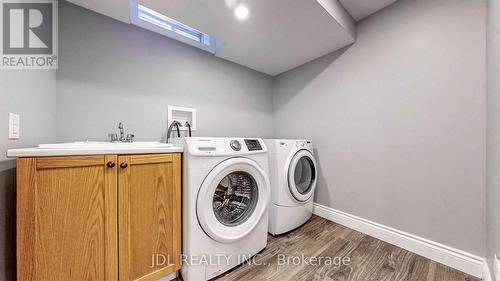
14 126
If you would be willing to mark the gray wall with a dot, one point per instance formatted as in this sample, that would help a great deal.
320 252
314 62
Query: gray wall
398 120
111 72
493 137
32 94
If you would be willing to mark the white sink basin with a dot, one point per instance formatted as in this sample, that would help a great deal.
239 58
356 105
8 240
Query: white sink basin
105 145
94 148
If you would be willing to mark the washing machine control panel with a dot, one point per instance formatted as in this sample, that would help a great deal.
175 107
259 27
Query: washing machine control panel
235 145
223 146
253 145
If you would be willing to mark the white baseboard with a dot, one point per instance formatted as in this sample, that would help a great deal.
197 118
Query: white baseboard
496 268
487 276
463 261
486 272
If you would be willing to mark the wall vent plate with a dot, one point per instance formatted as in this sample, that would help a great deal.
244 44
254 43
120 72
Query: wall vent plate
182 114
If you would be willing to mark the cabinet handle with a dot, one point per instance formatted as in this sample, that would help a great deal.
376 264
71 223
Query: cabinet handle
111 164
123 165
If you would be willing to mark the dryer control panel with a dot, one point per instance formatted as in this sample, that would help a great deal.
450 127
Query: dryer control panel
304 144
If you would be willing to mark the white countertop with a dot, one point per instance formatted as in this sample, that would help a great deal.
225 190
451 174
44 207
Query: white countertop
94 148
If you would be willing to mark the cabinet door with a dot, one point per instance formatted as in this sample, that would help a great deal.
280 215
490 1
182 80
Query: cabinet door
67 226
149 216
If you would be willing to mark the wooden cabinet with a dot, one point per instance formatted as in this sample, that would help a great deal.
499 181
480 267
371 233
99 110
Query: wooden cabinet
149 217
98 217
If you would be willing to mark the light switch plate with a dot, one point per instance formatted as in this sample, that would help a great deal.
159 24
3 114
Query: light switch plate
14 126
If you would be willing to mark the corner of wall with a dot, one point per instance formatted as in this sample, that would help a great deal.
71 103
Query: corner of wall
341 16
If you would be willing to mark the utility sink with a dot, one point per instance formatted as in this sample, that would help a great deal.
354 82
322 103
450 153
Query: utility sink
105 145
95 148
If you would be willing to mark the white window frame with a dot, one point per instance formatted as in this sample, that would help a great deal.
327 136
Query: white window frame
207 43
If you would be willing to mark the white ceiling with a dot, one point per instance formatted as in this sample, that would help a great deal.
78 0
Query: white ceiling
360 9
117 9
277 36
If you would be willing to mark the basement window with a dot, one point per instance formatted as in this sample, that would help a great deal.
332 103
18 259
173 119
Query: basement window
152 20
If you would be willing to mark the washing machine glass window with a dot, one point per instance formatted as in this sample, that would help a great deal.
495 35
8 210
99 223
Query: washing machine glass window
235 198
304 175
232 199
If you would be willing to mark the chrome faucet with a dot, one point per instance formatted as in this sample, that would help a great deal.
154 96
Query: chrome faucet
128 138
169 131
122 133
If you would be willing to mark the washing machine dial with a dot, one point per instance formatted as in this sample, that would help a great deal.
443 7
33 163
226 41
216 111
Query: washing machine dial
235 145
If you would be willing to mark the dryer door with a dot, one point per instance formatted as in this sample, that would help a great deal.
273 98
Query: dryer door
302 175
233 199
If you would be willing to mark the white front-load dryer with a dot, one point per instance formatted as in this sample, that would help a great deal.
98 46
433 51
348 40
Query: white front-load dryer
293 175
226 195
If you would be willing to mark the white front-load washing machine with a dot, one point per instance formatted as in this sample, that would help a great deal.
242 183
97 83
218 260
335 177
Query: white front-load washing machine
226 195
293 175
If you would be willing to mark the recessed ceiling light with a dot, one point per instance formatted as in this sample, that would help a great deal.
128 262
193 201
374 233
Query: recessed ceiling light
241 12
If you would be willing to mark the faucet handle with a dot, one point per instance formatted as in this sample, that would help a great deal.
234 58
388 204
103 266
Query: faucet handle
113 137
130 137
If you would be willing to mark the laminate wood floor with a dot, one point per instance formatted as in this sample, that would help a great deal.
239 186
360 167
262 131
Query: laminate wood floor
370 258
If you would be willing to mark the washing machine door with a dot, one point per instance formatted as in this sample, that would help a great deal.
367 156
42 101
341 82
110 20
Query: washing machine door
233 199
302 175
